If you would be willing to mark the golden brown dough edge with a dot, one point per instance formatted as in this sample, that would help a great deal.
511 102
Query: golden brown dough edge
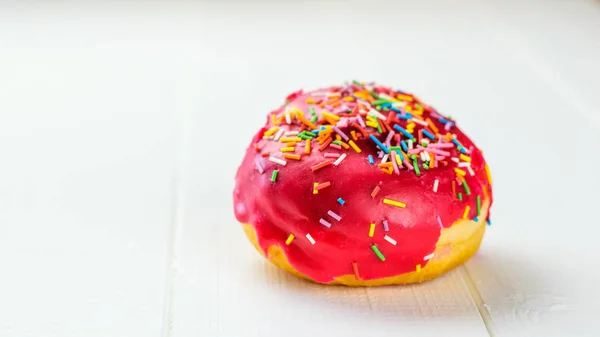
456 245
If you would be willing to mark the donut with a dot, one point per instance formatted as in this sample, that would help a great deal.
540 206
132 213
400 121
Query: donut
362 185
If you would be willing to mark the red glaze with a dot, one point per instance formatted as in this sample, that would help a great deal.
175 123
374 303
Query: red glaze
288 206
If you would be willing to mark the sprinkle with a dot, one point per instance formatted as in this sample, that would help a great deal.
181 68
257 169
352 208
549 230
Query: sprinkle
440 222
287 117
339 160
334 215
471 172
478 205
386 226
459 196
466 213
464 164
335 145
287 149
454 159
459 145
292 156
378 253
379 144
290 139
384 159
341 201
274 176
431 125
410 144
307 148
418 121
428 257
322 186
325 144
356 148
395 161
375 191
325 223
489 222
355 269
418 269
440 145
467 189
390 240
371 161
403 131
404 146
331 155
307 123
428 134
489 175
475 219
436 151
289 239
344 145
310 238
278 161
271 131
460 172
417 171
278 135
372 230
360 121
321 165
465 158
435 185
341 133
330 115
394 203
259 166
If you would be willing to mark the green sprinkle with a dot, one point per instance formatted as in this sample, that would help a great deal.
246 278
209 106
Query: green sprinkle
459 196
466 187
357 83
374 94
413 156
312 111
287 102
425 166
313 118
418 106
304 136
416 165
386 109
395 148
378 108
378 253
379 102
478 206
424 144
274 176
337 142
378 126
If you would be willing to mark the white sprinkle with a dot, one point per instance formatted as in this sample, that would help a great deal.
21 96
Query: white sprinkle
288 119
378 114
464 164
268 137
278 161
399 104
360 121
278 134
425 140
428 257
334 215
259 166
384 159
423 156
291 133
440 222
410 144
454 159
470 171
435 185
419 121
390 240
339 160
427 157
325 223
310 238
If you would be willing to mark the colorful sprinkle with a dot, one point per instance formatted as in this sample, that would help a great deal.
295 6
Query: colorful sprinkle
307 148
435 185
292 156
375 191
379 144
271 131
428 134
341 201
489 174
274 176
390 240
325 223
428 257
403 131
289 239
371 161
418 268
334 215
466 213
378 253
321 165
372 230
340 159
394 203
355 270
466 187
310 238
478 205
354 147
322 186
386 226
278 161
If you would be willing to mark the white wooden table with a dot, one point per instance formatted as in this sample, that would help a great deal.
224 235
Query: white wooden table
116 211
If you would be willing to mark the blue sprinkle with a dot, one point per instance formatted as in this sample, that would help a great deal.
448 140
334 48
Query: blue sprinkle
443 120
380 144
461 148
400 91
475 219
341 201
396 109
404 146
406 116
371 160
386 105
428 134
404 132
400 155
489 222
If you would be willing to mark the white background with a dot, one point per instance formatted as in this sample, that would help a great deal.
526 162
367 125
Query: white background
121 127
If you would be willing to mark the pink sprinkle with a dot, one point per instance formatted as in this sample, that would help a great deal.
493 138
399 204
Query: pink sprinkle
360 121
389 136
410 167
333 215
439 157
331 155
259 167
414 120
325 223
458 181
342 123
440 222
341 133
335 146
386 227
448 126
440 152
440 145
415 151
394 154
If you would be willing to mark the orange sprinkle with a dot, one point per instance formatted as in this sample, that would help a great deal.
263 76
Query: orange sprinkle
432 157
321 165
461 178
420 136
292 156
386 165
287 149
256 148
353 134
387 126
431 125
489 174
307 122
344 145
323 139
338 137
326 144
307 147
375 191
388 170
336 104
359 128
355 269
265 154
453 190
290 144
322 186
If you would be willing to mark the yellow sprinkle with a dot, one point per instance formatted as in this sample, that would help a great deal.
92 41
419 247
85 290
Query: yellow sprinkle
489 175
394 203
371 124
372 230
419 268
405 97
465 158
289 239
466 211
299 112
307 147
287 149
418 112
330 115
289 139
408 108
310 101
344 145
356 148
273 120
460 172
349 99
315 191
397 158
271 130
